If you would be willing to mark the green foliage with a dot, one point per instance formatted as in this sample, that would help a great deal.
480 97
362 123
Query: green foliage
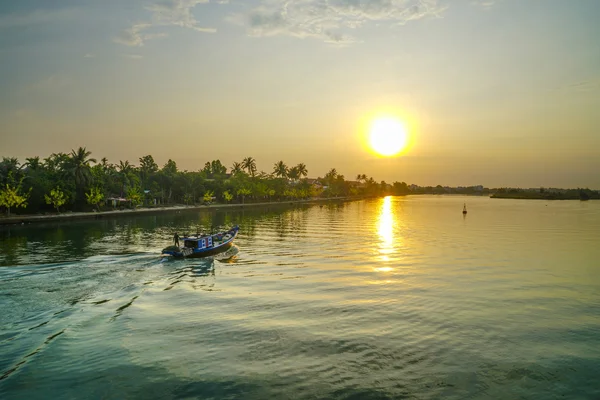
10 170
294 173
400 188
80 166
249 164
547 194
208 196
217 168
79 181
236 168
94 196
214 169
301 169
280 169
330 176
135 195
188 198
244 192
291 193
148 165
56 198
11 195
170 167
147 168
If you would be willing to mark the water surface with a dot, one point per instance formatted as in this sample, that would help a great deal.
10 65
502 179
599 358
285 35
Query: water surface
401 297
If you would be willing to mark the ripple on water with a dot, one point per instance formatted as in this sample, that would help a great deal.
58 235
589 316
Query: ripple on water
375 299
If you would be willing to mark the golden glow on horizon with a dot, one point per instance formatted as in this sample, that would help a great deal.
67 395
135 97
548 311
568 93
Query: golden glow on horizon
388 136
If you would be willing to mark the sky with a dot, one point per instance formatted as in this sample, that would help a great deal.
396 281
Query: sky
498 93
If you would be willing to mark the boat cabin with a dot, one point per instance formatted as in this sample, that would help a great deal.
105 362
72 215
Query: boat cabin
199 243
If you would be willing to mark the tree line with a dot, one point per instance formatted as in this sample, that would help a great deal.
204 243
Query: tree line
547 194
76 181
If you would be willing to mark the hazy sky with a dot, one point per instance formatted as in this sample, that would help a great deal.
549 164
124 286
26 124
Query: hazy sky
499 93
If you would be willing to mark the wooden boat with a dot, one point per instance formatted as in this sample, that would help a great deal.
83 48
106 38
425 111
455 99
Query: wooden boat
203 245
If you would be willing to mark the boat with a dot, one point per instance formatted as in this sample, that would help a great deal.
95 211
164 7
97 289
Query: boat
465 208
203 245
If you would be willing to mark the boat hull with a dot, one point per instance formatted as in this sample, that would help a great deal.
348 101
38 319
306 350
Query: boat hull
197 252
200 254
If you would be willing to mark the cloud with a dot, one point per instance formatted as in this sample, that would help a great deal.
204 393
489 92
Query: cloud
133 36
177 13
585 86
483 3
165 13
582 86
133 56
331 20
89 55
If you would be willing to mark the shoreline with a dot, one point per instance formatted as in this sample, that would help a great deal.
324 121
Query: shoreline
22 219
33 218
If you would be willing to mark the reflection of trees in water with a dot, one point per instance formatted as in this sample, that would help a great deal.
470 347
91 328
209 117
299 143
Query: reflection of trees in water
247 225
282 221
334 212
12 248
290 222
72 240
336 206
299 220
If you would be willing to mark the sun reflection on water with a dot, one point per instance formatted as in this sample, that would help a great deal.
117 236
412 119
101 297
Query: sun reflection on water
385 229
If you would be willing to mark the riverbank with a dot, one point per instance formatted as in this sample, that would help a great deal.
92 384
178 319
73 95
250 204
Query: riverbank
567 195
27 219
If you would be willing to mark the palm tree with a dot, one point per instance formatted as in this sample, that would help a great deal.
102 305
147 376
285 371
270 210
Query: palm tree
124 167
236 168
330 178
56 162
302 171
106 167
9 166
124 170
79 163
294 173
217 168
280 169
33 163
249 164
331 175
80 166
361 178
147 168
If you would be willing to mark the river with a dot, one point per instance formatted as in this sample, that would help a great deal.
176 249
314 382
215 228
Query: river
397 297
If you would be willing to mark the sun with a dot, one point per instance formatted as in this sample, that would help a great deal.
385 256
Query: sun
388 136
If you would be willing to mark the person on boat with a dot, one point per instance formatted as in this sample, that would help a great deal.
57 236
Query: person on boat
176 239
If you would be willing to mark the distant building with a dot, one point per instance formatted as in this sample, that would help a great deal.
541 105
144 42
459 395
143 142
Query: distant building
314 182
